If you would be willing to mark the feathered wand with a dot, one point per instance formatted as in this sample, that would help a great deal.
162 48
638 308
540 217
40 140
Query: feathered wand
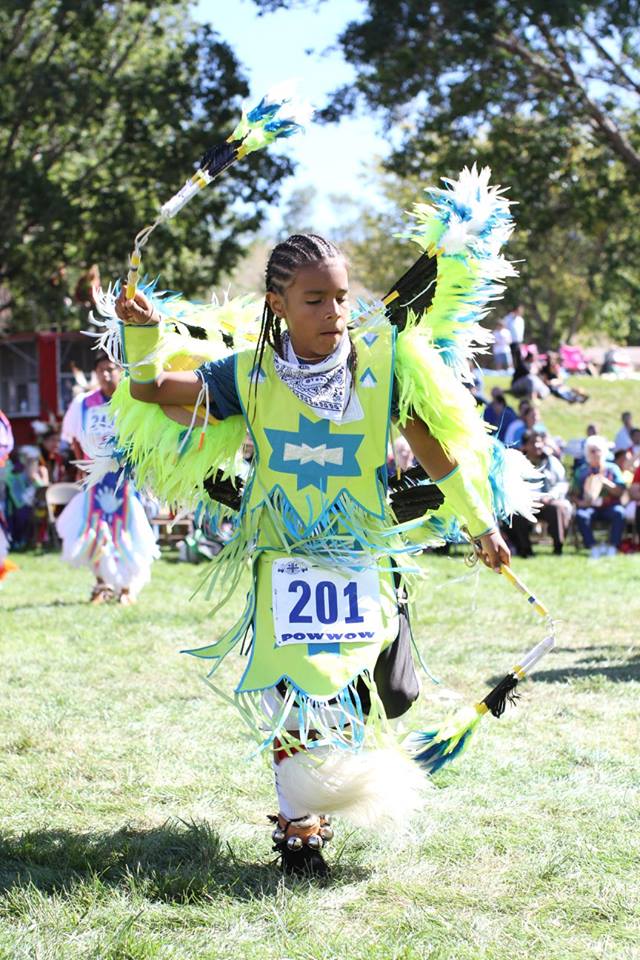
433 748
279 114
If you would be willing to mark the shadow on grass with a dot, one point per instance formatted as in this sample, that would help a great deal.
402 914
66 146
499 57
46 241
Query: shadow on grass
177 862
46 606
626 672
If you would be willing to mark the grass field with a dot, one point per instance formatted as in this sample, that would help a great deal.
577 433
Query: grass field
133 828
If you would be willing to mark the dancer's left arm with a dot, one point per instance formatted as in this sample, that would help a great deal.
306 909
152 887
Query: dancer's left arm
441 468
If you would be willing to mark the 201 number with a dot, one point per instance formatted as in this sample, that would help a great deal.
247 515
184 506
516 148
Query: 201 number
326 602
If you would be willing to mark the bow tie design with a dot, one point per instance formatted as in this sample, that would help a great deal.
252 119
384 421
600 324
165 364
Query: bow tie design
305 454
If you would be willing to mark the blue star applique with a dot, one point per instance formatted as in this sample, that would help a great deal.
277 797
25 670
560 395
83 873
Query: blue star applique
313 453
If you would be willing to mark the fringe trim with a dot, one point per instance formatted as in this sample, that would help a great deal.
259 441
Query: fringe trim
230 323
300 721
162 456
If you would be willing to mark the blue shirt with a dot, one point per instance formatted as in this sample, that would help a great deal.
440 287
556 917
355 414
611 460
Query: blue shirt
501 421
220 377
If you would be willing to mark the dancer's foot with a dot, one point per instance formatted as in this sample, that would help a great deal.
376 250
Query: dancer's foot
101 593
125 598
299 843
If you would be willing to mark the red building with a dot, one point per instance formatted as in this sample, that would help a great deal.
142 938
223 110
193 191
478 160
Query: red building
36 376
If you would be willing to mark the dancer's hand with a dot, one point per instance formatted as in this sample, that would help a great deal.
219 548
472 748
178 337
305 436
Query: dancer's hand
493 550
139 310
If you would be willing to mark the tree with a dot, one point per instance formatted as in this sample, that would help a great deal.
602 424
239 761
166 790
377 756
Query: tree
457 64
544 93
577 275
106 106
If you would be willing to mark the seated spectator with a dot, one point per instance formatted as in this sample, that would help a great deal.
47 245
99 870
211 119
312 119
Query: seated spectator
622 439
623 459
556 510
635 442
529 419
526 382
58 465
575 448
633 510
596 490
499 414
501 347
553 375
20 495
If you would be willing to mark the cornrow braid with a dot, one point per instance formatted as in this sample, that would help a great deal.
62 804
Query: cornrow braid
298 250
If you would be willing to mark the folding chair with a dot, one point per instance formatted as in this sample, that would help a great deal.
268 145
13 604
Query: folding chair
58 495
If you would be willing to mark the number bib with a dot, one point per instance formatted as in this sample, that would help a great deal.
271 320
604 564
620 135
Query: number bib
313 605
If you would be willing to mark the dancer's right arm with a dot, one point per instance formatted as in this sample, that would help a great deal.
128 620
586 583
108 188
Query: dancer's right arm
181 387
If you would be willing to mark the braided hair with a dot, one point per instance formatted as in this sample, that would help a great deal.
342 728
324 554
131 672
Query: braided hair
298 250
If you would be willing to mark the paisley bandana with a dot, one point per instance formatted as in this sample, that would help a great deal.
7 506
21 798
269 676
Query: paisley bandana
326 386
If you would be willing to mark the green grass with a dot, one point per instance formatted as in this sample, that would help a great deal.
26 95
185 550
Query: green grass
607 400
133 828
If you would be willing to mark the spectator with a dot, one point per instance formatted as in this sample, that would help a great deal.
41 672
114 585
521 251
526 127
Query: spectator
20 494
514 322
622 439
623 459
575 448
529 419
597 488
556 510
553 375
6 447
58 466
625 462
633 512
499 414
635 442
6 439
525 381
501 346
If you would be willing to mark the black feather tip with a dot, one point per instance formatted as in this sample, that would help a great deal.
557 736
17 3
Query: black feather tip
413 291
220 157
503 693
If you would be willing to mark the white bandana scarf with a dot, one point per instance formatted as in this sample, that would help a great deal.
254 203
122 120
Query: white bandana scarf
325 387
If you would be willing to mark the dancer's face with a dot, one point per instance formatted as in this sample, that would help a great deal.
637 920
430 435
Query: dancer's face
108 376
315 308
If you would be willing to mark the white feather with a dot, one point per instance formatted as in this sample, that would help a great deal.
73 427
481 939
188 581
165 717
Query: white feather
366 787
281 92
100 459
106 318
521 484
299 111
96 468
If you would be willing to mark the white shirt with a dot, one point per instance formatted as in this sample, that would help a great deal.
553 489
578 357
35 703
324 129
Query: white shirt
501 340
515 324
87 421
622 440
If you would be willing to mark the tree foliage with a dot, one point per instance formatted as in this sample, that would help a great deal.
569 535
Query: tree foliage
105 108
453 63
544 92
577 274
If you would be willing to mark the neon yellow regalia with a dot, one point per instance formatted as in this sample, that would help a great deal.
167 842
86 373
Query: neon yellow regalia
314 524
323 476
